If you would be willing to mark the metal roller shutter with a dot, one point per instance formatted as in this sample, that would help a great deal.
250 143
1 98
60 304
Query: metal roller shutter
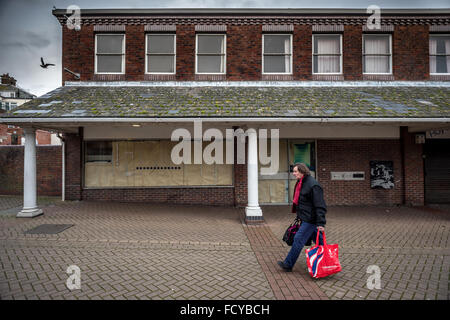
437 171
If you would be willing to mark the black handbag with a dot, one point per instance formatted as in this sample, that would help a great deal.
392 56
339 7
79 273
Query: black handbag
291 231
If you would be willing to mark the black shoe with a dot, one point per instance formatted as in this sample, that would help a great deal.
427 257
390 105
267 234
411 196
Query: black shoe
284 267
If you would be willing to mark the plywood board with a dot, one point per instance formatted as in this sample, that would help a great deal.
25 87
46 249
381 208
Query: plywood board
277 189
98 175
193 175
263 191
149 163
224 174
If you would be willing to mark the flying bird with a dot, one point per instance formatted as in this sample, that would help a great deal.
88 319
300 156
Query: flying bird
45 65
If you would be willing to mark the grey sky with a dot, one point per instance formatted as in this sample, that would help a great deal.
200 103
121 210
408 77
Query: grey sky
29 30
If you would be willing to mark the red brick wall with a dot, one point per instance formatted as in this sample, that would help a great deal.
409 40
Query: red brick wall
410 53
244 50
78 53
240 185
185 52
43 137
412 169
6 138
302 49
48 170
352 53
354 155
135 49
73 166
206 196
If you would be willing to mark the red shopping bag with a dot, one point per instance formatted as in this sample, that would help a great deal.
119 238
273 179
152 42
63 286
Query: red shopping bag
323 260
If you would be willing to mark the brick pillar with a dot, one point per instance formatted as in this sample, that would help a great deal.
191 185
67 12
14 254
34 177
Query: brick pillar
413 174
73 165
240 177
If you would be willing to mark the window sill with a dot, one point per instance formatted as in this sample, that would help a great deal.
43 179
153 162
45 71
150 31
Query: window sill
328 77
440 77
108 77
378 77
277 77
160 77
210 77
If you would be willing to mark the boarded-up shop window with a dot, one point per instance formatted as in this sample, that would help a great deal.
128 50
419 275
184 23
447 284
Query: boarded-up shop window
273 188
149 164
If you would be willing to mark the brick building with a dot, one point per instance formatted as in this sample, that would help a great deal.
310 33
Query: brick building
11 97
367 109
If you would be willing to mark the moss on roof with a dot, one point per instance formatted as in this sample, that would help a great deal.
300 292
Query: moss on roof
103 101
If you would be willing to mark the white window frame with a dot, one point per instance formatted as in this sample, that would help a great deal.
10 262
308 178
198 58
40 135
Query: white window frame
341 53
123 52
224 54
390 53
174 52
291 53
429 55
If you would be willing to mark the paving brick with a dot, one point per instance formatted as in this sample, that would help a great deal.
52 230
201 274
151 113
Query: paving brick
129 254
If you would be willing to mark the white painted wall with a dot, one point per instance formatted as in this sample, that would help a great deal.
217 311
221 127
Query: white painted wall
54 139
303 131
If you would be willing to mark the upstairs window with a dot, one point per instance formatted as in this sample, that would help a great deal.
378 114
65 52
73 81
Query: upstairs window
161 53
327 53
277 53
377 54
110 53
211 53
440 54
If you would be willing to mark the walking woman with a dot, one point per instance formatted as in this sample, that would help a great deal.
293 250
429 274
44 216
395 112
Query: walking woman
310 207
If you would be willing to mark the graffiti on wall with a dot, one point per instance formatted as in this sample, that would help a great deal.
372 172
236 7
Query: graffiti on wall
382 174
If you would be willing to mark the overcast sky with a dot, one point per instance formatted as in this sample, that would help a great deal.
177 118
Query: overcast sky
30 31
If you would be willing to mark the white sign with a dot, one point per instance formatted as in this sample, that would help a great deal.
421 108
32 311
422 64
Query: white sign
438 134
347 175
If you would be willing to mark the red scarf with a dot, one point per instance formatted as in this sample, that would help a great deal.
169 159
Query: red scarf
297 191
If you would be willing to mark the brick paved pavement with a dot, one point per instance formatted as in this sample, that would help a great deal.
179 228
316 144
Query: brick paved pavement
146 251
411 246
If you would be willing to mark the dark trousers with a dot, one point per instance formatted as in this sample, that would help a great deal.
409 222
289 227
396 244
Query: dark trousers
304 233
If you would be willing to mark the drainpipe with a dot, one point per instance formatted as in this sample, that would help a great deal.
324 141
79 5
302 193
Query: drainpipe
63 191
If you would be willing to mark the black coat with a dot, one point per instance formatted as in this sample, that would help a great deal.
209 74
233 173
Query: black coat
311 205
